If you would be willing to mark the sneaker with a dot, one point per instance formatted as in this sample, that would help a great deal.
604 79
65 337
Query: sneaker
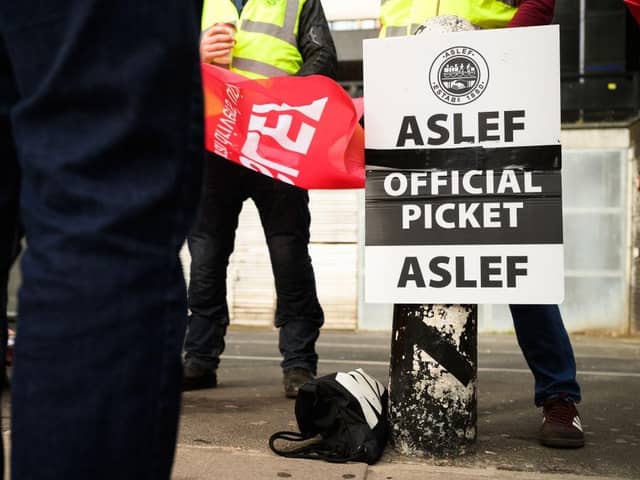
561 426
293 379
197 378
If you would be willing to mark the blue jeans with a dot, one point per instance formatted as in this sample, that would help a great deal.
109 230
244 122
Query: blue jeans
547 349
103 101
285 218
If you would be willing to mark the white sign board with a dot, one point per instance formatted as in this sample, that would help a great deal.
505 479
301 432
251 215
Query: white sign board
463 168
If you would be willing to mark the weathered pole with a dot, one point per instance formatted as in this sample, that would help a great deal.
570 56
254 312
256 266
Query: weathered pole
434 356
432 386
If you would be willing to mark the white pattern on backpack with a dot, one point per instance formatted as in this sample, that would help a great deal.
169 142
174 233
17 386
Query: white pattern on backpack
367 390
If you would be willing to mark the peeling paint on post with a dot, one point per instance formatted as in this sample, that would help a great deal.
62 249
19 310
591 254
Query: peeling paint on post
434 361
432 387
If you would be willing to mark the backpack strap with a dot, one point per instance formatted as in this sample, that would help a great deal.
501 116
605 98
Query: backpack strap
313 451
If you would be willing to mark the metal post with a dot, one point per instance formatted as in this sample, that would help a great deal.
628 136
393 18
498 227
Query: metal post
432 387
434 353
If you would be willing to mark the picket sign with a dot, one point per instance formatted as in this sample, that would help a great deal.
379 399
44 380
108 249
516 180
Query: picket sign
463 159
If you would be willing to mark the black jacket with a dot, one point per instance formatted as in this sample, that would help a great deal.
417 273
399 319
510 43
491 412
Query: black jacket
315 42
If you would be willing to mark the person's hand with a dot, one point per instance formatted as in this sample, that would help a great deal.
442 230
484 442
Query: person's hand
216 42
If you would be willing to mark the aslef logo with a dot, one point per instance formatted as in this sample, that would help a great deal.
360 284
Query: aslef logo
281 133
459 75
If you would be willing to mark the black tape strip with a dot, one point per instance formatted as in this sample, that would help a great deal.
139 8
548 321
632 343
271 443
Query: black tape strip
429 339
544 157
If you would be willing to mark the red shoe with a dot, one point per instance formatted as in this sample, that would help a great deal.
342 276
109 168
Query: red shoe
561 426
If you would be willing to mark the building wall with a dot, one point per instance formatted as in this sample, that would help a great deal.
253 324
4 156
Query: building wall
351 9
599 186
599 214
602 247
333 249
634 287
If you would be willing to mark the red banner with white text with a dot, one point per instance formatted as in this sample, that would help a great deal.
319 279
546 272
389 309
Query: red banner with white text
299 130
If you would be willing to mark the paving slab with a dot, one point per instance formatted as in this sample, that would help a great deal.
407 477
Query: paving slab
206 463
429 472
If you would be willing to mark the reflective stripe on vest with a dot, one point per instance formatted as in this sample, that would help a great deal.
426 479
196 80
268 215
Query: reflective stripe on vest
287 32
261 69
403 17
266 37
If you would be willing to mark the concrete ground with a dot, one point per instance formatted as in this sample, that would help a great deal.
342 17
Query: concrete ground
224 431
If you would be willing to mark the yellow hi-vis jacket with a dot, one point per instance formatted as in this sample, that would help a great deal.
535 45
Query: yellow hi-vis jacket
266 36
403 17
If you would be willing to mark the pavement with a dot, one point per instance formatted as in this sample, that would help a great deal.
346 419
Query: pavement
224 431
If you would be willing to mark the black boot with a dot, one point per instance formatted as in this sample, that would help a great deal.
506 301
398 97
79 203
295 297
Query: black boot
197 378
293 379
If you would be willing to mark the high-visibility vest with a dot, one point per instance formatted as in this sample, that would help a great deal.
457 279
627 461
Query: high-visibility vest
403 17
266 37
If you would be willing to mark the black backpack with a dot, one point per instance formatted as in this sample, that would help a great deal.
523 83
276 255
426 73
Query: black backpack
349 413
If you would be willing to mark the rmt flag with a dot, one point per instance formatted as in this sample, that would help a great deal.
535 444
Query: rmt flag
300 130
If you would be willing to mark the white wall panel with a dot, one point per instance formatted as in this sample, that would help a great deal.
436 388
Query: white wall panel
333 249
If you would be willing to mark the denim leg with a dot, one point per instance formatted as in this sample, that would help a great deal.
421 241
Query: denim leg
547 349
284 212
211 244
105 130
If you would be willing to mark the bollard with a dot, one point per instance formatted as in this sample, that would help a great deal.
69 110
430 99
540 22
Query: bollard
434 353
433 373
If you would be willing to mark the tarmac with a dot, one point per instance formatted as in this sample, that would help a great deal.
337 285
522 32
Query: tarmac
224 431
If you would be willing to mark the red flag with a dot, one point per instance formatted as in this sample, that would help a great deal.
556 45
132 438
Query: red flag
634 8
300 130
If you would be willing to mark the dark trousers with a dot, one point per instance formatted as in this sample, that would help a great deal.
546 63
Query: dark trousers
547 349
284 213
103 102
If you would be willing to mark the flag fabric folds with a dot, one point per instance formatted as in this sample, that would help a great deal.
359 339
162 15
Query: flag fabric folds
634 8
300 130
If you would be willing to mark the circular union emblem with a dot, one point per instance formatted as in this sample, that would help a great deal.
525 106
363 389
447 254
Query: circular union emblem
459 75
